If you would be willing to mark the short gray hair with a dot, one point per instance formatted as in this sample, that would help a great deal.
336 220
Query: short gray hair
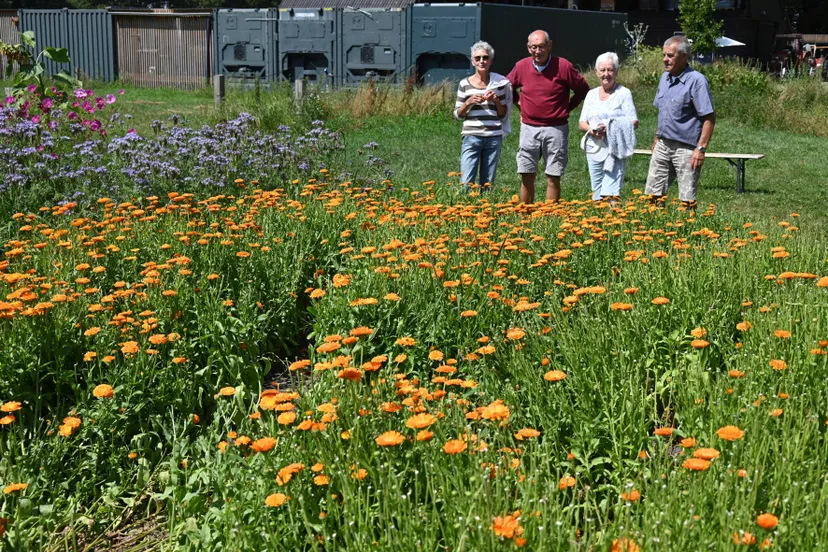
683 45
482 45
611 57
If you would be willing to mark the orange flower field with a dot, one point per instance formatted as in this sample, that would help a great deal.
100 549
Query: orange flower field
331 367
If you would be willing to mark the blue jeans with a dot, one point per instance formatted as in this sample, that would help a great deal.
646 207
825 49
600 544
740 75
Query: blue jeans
482 152
606 184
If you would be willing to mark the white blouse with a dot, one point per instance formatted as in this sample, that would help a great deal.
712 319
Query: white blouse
619 104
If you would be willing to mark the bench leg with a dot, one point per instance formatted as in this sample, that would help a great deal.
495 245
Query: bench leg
739 165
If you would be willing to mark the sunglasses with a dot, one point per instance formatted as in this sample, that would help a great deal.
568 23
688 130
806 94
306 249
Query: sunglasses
481 58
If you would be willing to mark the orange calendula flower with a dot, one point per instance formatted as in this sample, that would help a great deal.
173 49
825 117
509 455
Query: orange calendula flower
405 342
495 411
390 439
730 433
468 313
420 421
321 480
263 445
746 539
699 343
436 356
8 419
625 545
286 418
130 347
275 500
688 442
660 301
11 406
227 391
299 364
706 453
516 334
663 431
454 446
566 482
621 306
507 526
778 365
527 433
782 334
631 496
328 347
361 331
424 435
103 391
554 375
698 333
351 374
767 521
14 488
696 464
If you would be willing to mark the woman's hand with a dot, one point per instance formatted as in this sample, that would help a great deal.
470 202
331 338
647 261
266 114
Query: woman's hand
475 99
598 132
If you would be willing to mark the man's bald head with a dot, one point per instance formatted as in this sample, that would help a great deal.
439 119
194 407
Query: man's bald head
539 46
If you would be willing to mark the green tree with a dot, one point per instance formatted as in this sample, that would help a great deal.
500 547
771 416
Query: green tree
699 22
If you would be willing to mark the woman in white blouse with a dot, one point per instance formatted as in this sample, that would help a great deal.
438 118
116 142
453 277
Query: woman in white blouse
606 105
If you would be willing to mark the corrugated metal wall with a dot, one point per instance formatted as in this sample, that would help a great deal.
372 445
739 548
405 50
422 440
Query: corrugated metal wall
8 34
164 50
87 34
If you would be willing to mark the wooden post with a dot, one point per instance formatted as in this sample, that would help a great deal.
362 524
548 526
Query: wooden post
218 90
298 91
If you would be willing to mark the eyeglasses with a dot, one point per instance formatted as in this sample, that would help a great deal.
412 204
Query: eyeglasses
481 58
537 46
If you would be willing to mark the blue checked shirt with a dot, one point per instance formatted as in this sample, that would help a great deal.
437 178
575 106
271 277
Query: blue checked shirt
682 101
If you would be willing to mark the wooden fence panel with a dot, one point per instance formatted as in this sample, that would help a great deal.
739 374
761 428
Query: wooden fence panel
164 50
8 34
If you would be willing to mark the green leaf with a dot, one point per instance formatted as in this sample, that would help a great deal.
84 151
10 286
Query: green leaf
58 55
65 77
28 38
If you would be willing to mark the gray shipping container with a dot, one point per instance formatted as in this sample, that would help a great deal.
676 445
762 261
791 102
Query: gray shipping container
246 43
87 34
307 44
372 44
442 34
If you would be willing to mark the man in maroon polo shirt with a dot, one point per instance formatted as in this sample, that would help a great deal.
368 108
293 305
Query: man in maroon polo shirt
545 83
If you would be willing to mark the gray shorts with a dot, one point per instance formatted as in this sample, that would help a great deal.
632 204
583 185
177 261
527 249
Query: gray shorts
550 142
671 161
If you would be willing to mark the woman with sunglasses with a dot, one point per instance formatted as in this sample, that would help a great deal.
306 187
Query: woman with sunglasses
484 102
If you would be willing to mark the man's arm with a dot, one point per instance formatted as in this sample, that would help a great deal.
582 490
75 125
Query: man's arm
709 123
514 78
579 87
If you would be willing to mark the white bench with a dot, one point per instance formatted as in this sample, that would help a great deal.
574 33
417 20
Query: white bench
737 160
